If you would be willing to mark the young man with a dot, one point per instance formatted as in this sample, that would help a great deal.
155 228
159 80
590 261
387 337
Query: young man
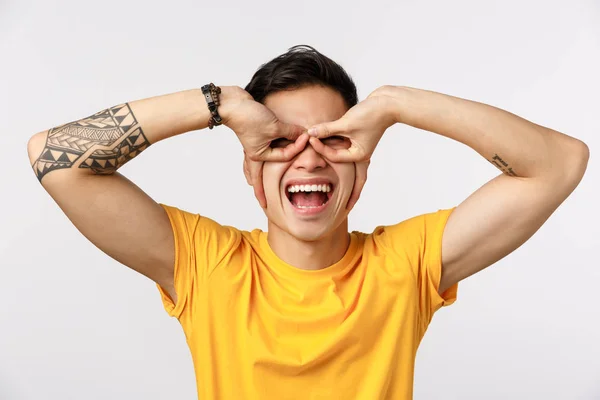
307 309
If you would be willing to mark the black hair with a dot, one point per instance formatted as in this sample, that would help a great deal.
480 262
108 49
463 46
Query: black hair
301 66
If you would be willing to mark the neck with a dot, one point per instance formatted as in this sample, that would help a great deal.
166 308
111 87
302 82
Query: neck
309 255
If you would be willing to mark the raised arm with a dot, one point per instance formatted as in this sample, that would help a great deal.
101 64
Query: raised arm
540 168
77 162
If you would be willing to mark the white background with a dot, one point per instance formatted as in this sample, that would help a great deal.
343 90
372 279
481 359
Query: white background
75 324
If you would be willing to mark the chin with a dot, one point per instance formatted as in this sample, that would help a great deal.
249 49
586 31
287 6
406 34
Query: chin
308 233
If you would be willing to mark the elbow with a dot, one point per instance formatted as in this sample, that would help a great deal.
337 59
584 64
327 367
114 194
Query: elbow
586 152
35 146
581 159
575 164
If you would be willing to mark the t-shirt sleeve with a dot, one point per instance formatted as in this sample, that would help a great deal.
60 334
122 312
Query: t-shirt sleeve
419 240
200 246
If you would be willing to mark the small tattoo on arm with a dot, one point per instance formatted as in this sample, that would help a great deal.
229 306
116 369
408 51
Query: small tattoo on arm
102 142
502 165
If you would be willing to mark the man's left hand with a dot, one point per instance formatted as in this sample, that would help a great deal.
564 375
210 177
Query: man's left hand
363 125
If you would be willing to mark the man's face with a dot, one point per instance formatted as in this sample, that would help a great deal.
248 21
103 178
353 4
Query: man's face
308 214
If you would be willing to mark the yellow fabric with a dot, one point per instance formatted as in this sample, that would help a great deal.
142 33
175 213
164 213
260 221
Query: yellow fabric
259 328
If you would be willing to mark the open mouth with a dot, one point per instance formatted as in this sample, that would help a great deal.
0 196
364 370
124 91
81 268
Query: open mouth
309 196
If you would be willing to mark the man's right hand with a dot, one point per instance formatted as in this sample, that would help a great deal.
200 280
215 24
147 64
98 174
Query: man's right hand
257 127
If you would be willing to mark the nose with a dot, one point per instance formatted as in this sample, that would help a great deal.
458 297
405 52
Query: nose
309 160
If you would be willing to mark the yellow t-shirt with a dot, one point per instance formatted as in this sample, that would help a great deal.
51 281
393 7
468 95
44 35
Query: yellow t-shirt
259 328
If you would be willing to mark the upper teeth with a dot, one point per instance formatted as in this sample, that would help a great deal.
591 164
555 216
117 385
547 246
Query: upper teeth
309 188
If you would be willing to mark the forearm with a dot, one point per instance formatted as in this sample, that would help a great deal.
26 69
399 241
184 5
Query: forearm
514 145
169 115
105 141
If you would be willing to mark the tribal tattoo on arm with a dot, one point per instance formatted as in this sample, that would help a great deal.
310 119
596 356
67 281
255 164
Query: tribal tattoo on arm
103 142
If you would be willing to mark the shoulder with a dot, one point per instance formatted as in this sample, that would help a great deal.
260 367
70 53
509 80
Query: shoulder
411 233
194 220
201 231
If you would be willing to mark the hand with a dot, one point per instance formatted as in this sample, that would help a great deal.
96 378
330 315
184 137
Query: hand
256 127
363 125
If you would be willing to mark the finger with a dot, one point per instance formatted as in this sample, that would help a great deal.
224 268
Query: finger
286 153
351 154
292 149
327 129
255 168
359 183
289 131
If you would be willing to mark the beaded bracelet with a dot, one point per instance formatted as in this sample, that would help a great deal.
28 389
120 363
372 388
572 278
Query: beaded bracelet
211 94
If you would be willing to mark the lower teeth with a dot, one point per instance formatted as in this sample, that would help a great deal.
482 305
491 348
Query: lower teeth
311 206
